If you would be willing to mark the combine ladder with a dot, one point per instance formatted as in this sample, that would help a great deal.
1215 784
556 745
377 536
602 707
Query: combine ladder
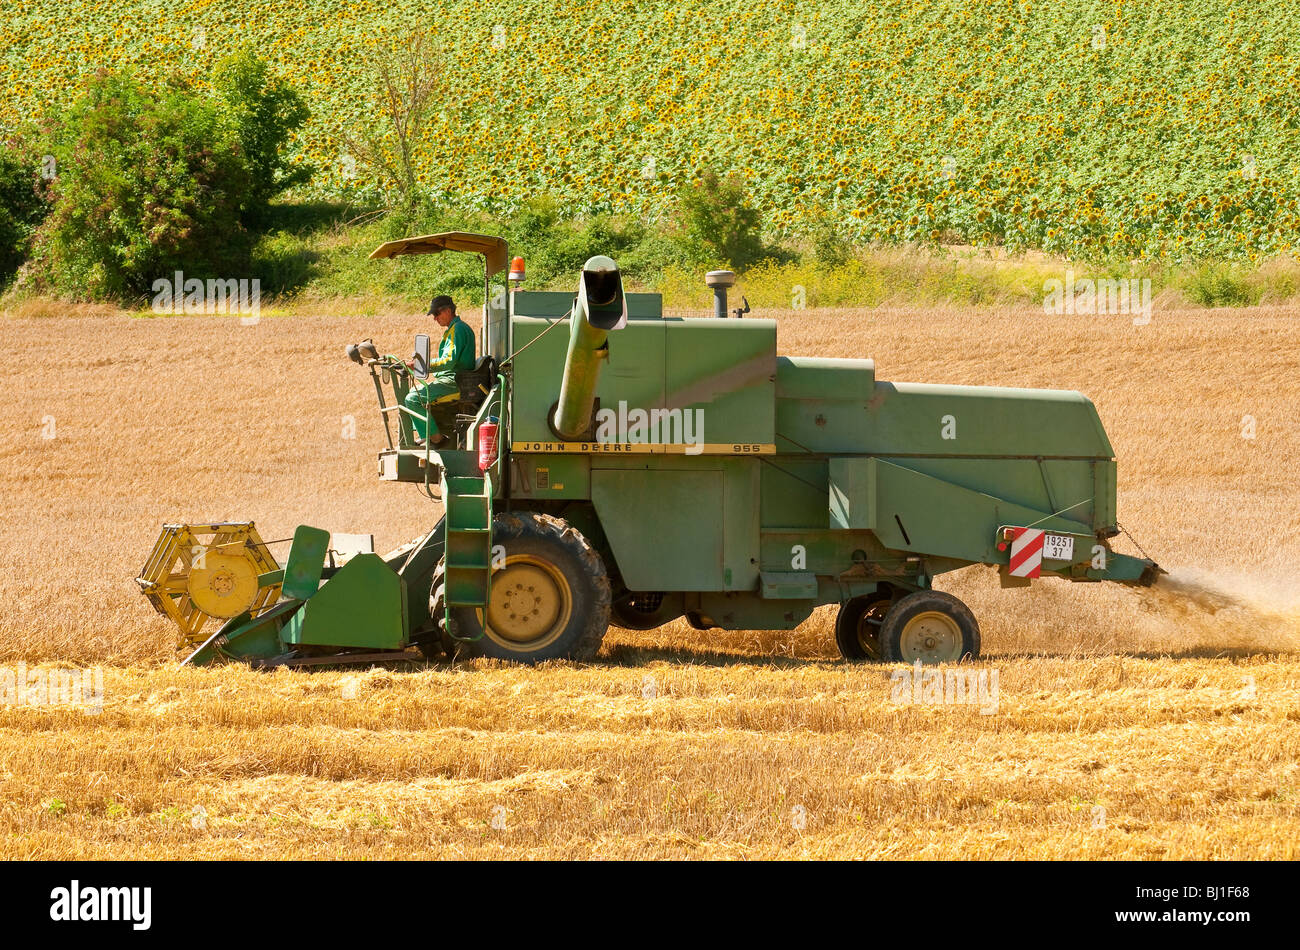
468 552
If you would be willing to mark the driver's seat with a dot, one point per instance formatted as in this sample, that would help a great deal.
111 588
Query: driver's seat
476 383
454 413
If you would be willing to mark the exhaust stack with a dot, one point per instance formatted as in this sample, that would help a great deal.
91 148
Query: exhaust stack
720 280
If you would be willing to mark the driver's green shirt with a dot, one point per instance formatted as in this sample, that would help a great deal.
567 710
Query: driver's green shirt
455 352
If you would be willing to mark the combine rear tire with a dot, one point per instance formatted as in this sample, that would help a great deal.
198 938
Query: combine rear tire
638 610
550 601
857 627
930 626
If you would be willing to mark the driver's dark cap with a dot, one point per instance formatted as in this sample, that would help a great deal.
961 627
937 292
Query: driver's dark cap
440 301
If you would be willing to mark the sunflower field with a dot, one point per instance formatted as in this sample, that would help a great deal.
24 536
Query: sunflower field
1162 129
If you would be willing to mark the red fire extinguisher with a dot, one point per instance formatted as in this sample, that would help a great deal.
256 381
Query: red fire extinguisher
487 444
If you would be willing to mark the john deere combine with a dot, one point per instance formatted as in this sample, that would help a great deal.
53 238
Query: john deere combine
609 464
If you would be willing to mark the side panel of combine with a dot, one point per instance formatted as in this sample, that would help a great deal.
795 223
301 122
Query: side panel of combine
686 509
364 604
938 470
702 517
722 375
909 510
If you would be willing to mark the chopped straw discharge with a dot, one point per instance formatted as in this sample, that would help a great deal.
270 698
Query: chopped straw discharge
1242 612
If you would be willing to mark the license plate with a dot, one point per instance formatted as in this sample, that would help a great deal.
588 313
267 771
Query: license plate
1058 547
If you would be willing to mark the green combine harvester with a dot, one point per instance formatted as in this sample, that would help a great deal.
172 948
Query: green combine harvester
609 464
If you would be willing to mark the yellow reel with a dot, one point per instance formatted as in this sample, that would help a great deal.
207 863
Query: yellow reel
201 571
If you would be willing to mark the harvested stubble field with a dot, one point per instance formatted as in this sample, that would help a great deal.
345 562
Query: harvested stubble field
1160 725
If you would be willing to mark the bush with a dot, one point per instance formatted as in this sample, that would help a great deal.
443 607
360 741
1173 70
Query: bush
157 179
1216 285
831 247
149 183
22 208
720 225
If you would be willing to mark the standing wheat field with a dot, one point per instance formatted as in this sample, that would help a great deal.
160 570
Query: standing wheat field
1127 723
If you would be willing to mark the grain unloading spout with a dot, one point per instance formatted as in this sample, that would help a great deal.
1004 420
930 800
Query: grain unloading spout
1129 570
599 308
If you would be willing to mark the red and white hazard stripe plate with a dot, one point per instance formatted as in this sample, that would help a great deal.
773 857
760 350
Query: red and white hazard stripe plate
1026 552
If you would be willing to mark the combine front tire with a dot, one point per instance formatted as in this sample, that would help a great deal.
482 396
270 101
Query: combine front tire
549 601
930 626
436 643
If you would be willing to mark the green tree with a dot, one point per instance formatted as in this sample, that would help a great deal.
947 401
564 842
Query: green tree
264 112
406 79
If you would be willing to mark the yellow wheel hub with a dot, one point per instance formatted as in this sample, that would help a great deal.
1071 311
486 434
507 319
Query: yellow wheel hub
530 604
225 586
931 637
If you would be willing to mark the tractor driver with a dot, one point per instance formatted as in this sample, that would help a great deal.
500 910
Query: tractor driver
455 353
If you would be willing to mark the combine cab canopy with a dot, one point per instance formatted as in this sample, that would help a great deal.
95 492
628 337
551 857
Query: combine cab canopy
493 249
